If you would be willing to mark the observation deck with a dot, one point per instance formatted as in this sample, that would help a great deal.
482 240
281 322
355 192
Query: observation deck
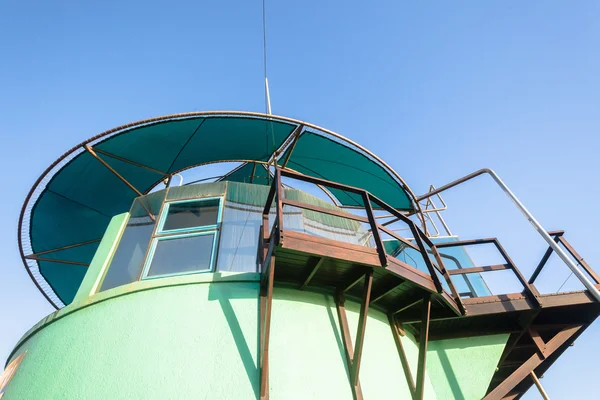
541 326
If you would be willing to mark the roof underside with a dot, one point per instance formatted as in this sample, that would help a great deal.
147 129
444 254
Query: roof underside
74 200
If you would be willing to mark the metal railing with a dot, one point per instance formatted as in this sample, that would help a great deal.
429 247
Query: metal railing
430 252
537 226
270 234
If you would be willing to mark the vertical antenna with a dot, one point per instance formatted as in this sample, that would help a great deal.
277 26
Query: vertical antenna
267 95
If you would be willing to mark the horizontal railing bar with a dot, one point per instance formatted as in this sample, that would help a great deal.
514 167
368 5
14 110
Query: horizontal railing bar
324 210
398 237
319 181
466 242
498 267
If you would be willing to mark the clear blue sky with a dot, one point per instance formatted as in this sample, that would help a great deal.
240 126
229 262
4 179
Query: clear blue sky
437 90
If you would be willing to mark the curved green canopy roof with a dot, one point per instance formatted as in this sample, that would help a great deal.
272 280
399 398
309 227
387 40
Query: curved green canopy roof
71 204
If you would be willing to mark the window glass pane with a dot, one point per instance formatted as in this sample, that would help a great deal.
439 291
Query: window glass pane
182 254
191 214
238 242
128 260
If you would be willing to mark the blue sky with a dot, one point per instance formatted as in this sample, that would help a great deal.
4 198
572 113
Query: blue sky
436 89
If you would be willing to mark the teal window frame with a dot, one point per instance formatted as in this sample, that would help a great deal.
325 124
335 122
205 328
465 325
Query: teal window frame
173 234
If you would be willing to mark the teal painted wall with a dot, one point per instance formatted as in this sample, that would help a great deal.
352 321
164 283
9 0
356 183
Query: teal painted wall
192 337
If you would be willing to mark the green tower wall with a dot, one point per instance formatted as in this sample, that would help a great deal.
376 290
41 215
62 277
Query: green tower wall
196 336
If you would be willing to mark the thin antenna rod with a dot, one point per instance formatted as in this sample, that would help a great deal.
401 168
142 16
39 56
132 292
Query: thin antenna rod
267 94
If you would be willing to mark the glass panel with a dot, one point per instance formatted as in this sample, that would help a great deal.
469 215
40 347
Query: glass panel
238 242
458 258
129 257
327 226
191 214
182 254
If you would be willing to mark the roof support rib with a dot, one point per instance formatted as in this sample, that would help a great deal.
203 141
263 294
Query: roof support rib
33 257
63 248
297 132
125 160
125 181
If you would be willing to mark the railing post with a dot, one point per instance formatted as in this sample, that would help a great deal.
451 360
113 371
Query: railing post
530 289
278 200
430 267
373 223
579 259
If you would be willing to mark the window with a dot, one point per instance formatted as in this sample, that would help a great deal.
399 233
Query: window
9 372
186 238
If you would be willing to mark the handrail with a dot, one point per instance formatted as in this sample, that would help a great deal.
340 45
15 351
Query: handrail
509 264
275 193
538 227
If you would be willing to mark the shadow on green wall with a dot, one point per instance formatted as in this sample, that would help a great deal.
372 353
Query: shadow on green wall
464 343
223 294
329 304
450 375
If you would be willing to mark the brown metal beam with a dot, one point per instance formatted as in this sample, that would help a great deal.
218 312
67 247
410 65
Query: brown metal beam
383 291
487 268
580 260
297 132
531 290
403 359
445 273
125 181
317 264
414 303
111 169
466 242
423 339
252 174
323 210
376 236
33 257
353 281
266 330
543 261
63 248
347 341
362 323
504 388
125 160
538 341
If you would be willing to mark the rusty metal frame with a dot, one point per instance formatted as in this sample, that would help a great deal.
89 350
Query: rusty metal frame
71 246
417 389
531 291
353 356
34 257
125 160
396 332
125 181
528 366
